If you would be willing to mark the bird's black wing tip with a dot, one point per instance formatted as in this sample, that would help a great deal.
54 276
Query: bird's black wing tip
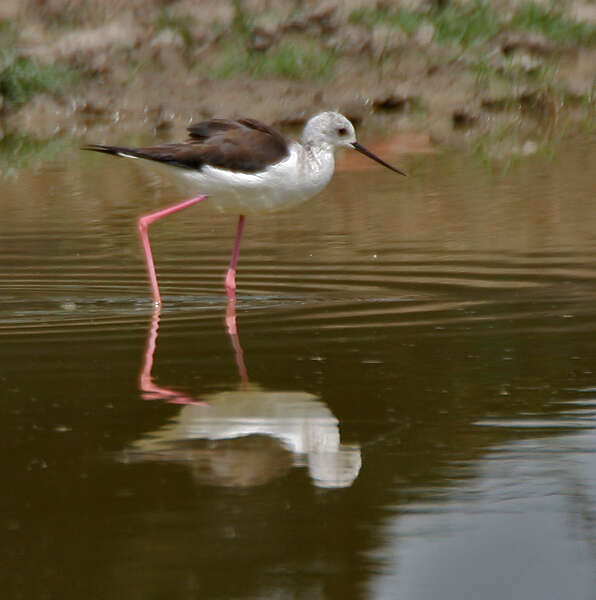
100 148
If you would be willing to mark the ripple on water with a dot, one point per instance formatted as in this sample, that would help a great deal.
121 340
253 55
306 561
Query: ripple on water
435 290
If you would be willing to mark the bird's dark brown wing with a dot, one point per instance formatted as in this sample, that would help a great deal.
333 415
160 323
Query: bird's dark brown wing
245 146
203 130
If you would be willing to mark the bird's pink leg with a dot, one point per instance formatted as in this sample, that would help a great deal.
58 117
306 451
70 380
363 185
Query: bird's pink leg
143 225
231 274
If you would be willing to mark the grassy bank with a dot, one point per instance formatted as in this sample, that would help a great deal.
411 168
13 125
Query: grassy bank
497 78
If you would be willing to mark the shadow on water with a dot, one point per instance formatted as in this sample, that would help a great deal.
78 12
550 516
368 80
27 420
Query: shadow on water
427 360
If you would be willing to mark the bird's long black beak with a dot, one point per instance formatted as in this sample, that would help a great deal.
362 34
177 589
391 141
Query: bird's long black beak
368 153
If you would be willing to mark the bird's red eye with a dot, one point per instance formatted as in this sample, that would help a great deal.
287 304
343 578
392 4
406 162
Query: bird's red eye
342 131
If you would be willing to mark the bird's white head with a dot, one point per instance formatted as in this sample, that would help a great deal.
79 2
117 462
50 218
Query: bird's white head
328 128
331 130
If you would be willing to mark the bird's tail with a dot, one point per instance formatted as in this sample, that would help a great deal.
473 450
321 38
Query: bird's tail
115 150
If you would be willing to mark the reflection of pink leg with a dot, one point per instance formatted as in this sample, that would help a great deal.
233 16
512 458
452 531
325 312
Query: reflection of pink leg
143 224
231 275
232 328
150 390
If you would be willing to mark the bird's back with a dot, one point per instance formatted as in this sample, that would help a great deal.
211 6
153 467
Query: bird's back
239 146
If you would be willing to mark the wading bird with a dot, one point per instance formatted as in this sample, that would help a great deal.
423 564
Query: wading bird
245 167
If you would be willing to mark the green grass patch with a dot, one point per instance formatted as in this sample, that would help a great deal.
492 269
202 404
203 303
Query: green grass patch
22 77
476 22
508 71
288 60
553 24
464 25
242 22
408 21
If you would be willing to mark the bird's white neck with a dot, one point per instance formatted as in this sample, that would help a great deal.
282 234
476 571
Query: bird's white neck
318 164
320 156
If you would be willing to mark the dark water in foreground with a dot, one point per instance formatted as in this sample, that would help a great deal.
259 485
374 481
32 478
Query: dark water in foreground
407 411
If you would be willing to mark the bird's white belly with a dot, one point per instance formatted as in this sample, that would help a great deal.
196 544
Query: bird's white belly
281 186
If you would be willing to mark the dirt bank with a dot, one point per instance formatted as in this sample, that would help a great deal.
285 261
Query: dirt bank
501 76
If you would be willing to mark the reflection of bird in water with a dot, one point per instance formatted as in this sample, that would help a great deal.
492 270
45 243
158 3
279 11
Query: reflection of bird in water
245 167
246 436
301 424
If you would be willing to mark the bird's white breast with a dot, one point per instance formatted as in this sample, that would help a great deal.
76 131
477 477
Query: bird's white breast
296 178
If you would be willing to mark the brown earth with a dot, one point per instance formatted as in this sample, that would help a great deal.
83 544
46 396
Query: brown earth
145 68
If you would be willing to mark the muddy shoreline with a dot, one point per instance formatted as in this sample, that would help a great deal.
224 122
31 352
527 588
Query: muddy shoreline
144 69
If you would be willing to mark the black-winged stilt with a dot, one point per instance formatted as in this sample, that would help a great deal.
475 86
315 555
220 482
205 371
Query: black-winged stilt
245 167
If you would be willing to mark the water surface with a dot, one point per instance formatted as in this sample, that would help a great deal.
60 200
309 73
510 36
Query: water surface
400 404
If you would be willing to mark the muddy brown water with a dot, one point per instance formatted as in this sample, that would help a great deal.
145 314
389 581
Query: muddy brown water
407 408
